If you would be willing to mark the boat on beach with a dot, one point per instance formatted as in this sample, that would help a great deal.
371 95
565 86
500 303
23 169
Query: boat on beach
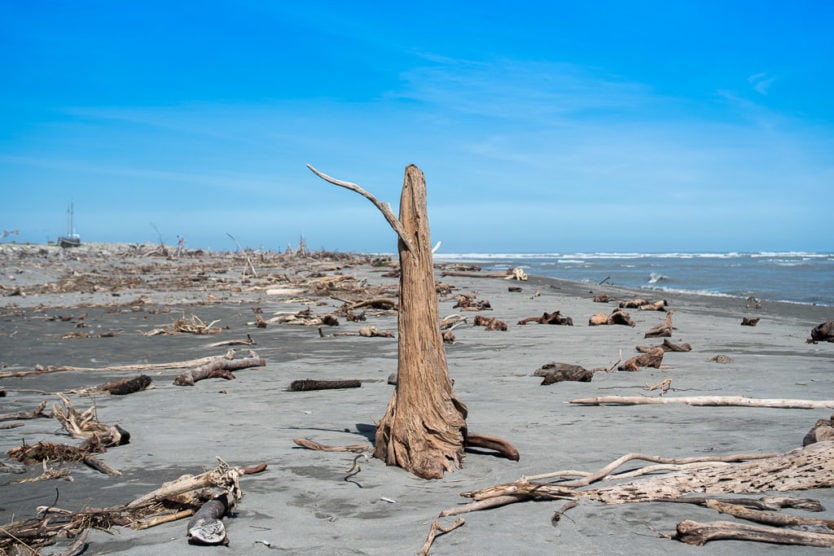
72 239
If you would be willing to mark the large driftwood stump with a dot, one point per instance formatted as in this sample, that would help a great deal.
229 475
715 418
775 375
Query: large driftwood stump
424 427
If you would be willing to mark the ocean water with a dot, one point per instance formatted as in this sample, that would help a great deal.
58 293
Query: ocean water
796 277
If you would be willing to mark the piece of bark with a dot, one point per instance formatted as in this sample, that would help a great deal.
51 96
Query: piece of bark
652 358
746 321
693 532
220 368
311 384
709 401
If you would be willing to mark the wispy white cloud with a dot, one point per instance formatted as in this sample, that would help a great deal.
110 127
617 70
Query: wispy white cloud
761 82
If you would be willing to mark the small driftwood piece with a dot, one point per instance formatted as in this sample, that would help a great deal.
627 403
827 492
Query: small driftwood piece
504 448
36 413
561 372
662 330
490 323
247 342
313 445
312 384
187 325
823 332
823 430
549 318
710 401
435 531
667 346
747 321
617 316
693 532
219 368
85 426
652 359
124 386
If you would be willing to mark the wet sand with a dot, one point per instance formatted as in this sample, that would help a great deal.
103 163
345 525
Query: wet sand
303 502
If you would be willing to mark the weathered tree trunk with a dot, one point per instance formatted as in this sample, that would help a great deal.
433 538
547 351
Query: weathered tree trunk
424 427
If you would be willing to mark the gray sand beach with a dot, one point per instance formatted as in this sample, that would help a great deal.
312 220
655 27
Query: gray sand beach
305 502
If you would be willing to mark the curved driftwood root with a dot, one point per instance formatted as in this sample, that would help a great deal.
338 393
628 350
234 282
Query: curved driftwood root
504 448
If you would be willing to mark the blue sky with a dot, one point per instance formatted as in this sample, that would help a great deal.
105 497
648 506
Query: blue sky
541 127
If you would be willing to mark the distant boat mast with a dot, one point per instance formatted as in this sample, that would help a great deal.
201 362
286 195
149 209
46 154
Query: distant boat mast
71 239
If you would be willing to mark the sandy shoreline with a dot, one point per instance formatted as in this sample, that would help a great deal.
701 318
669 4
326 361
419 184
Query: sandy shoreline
303 503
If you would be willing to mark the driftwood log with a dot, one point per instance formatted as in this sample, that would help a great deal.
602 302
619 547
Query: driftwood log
693 532
490 323
124 386
823 332
617 316
709 401
822 431
662 330
312 384
560 372
747 321
549 318
219 368
206 526
666 346
653 358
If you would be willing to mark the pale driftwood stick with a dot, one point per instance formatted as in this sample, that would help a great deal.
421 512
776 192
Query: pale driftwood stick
486 504
436 530
161 519
313 445
557 515
34 414
589 478
384 208
708 401
763 503
245 254
117 368
692 532
247 342
766 517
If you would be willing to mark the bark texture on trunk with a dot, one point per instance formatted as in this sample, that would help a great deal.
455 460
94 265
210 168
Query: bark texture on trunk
424 427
